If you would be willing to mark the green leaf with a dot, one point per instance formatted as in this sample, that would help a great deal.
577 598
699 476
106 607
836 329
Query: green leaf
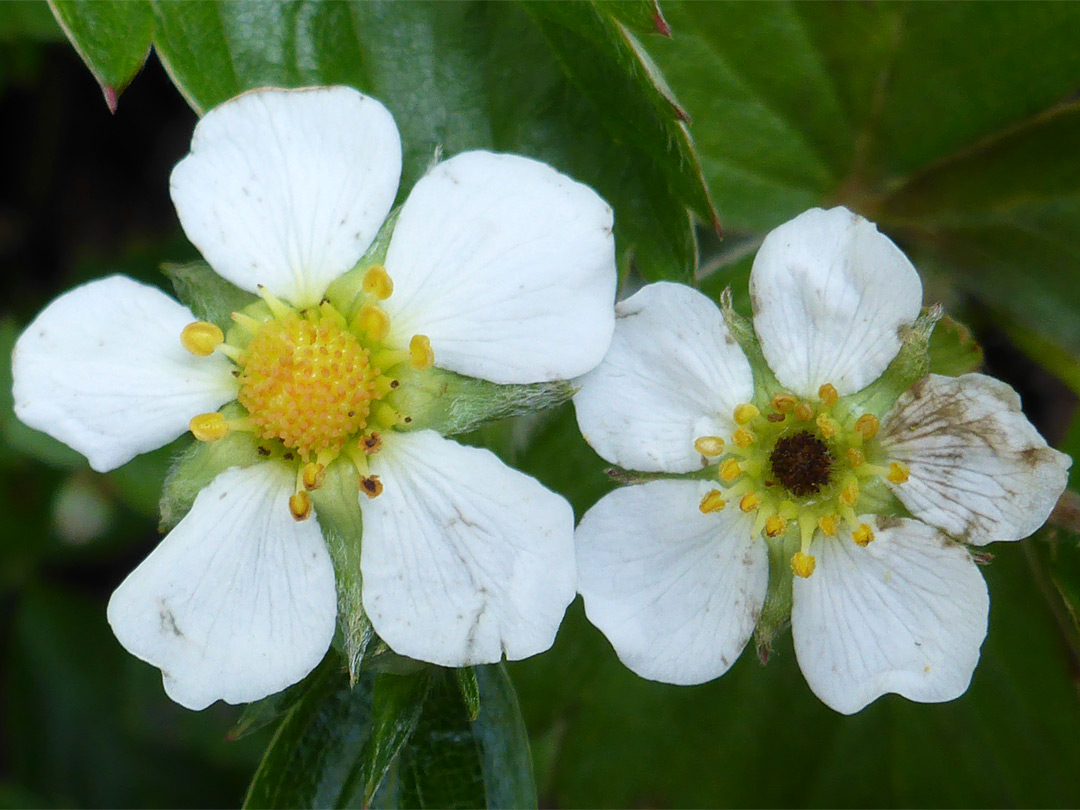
452 762
470 691
605 61
317 744
640 16
210 297
398 701
113 39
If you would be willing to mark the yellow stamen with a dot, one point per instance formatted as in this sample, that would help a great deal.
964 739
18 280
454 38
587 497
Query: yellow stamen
201 338
377 282
209 427
775 526
373 320
313 475
863 535
385 416
784 403
855 457
827 524
371 486
850 493
300 505
867 426
828 427
743 437
899 472
750 501
709 445
712 502
828 395
804 411
745 412
421 357
730 470
802 564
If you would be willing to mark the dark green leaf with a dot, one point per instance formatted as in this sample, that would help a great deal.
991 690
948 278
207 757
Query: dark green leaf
113 39
640 16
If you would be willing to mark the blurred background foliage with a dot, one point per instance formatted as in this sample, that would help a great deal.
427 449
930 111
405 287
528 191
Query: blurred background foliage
956 127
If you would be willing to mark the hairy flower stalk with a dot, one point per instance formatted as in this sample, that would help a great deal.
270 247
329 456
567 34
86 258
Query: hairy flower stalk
815 474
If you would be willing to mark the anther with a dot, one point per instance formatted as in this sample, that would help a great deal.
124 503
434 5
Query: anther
775 526
827 524
828 395
802 564
850 493
743 437
863 535
371 443
804 411
421 357
201 338
855 457
313 475
712 502
750 501
377 282
899 472
784 403
828 427
300 505
371 486
745 412
730 470
374 321
209 427
709 445
867 426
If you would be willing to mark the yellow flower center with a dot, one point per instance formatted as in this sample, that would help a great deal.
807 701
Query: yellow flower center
797 462
308 382
315 384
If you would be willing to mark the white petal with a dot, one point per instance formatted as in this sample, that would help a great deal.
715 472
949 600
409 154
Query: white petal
673 374
676 592
238 601
102 370
507 266
464 559
288 188
979 469
905 614
830 294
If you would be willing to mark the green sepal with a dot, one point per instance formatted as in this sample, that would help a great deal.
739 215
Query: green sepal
953 349
450 403
346 292
470 691
207 294
910 365
742 330
337 508
776 611
200 464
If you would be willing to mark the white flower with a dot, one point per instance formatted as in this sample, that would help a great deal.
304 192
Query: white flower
498 268
809 474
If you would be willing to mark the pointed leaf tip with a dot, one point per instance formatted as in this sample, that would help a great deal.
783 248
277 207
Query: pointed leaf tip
111 97
662 26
